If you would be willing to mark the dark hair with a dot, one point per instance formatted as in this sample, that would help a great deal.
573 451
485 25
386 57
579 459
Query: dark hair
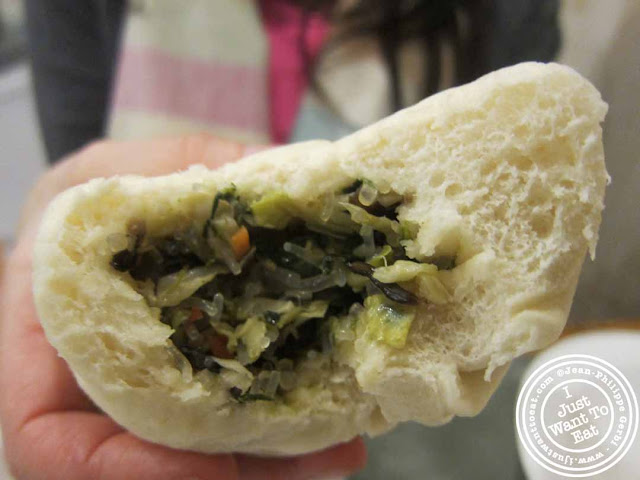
484 34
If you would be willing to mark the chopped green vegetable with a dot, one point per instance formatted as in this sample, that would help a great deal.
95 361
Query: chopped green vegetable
274 210
385 322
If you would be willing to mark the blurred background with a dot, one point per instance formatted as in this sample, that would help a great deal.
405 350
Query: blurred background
600 39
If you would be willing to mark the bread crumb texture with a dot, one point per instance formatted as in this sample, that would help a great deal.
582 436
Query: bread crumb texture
507 174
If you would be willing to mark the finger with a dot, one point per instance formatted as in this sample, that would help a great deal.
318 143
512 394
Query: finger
151 157
337 461
33 379
81 446
2 268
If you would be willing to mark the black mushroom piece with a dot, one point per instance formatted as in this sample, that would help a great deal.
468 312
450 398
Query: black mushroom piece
126 259
392 291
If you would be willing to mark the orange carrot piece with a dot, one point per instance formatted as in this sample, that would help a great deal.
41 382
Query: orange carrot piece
240 243
196 314
218 346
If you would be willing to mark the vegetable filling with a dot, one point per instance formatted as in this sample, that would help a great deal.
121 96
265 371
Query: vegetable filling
262 285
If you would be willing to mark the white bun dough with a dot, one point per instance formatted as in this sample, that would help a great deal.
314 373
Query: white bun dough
507 173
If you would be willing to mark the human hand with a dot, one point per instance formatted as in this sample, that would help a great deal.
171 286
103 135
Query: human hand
51 429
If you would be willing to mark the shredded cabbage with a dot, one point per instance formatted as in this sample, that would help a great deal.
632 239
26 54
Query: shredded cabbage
224 222
225 329
389 227
403 271
173 289
233 365
315 309
386 323
356 282
343 328
223 252
274 210
253 334
257 305
234 373
425 275
431 288
382 258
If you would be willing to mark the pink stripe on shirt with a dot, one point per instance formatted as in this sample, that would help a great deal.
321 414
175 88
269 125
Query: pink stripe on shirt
287 77
218 94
